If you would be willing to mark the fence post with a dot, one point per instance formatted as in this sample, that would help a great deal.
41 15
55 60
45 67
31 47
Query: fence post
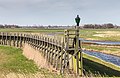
6 39
62 53
52 57
10 39
14 39
2 37
24 39
17 39
20 40
50 47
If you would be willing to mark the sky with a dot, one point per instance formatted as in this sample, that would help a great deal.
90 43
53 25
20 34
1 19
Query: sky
59 12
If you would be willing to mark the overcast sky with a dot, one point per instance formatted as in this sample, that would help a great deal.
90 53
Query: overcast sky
59 12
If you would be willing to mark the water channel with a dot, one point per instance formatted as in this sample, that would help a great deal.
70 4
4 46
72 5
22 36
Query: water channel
101 42
106 57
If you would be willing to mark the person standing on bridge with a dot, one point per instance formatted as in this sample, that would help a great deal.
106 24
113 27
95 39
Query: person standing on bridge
77 20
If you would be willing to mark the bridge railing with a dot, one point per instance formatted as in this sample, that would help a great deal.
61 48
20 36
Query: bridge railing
51 46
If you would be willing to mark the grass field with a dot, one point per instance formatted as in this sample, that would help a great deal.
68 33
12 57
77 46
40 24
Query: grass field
13 63
92 65
29 30
101 34
11 59
89 34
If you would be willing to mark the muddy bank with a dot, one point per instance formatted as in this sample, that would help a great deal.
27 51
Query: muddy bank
37 57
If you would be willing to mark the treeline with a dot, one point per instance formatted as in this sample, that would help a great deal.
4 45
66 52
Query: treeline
85 26
9 26
99 26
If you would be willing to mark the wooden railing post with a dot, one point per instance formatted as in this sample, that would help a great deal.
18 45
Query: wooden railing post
17 39
14 39
21 40
10 39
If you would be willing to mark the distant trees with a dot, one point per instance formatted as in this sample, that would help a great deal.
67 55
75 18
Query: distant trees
9 26
98 26
1 26
91 26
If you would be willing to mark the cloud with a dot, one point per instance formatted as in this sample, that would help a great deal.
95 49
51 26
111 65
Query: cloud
62 9
19 4
56 4
39 4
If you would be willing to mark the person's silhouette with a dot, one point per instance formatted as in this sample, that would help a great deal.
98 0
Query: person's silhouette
77 19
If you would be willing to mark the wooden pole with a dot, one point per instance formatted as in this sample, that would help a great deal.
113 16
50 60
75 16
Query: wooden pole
20 40
2 38
17 39
14 39
6 38
10 39
62 58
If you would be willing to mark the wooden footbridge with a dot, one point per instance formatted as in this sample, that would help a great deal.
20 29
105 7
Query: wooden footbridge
63 53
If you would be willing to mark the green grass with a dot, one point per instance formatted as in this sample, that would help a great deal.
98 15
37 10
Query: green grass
84 33
11 59
88 34
14 63
101 48
105 49
32 30
94 65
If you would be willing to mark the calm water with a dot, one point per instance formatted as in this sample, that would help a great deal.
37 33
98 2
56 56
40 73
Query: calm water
106 57
101 42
